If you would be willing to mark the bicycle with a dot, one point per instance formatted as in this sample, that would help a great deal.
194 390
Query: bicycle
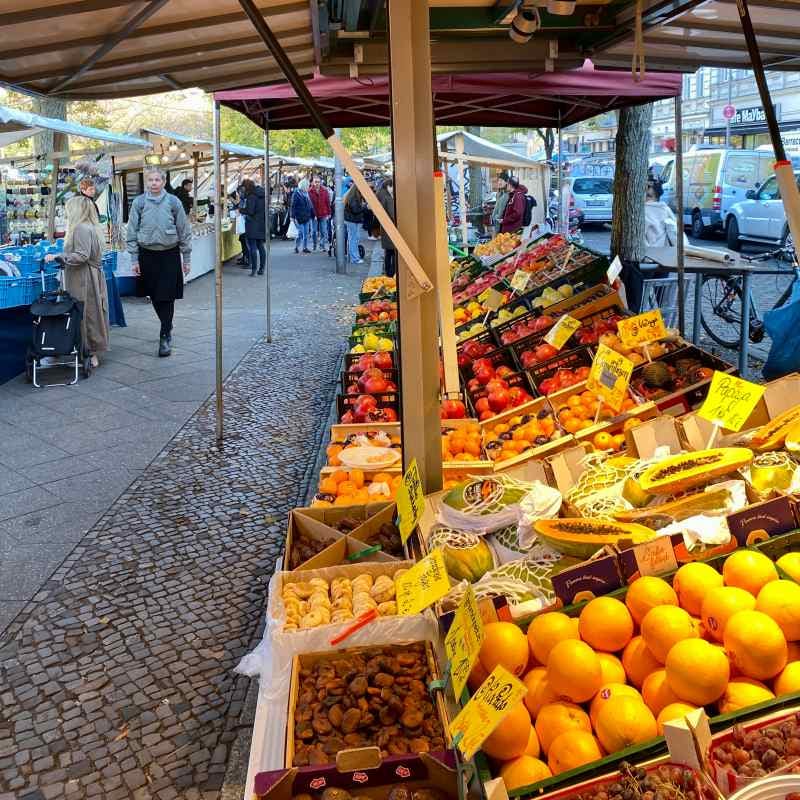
723 295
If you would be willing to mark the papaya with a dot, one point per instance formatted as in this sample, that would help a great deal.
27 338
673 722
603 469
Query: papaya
467 557
688 470
792 440
582 537
712 501
772 435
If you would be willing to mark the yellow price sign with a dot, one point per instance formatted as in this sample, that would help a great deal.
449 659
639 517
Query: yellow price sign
641 329
494 300
422 585
609 376
558 335
730 401
519 283
410 501
494 700
463 641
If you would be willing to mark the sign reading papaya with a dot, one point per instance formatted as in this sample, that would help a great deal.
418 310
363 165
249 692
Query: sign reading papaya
422 585
560 333
410 501
463 641
609 376
730 401
641 329
487 708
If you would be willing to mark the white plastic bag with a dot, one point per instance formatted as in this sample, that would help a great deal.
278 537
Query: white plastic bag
240 224
292 231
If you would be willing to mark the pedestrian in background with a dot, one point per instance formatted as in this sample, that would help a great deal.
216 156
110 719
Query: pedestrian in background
354 207
303 215
501 200
255 226
159 241
321 201
386 197
237 197
515 207
184 194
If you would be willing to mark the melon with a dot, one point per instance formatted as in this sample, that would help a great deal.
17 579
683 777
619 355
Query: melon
467 556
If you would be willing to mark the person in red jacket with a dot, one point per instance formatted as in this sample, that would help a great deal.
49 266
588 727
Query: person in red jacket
515 208
321 201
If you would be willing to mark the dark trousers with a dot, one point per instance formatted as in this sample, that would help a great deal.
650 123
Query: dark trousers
245 248
258 254
165 309
389 263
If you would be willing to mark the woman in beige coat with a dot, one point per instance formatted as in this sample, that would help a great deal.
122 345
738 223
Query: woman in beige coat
83 272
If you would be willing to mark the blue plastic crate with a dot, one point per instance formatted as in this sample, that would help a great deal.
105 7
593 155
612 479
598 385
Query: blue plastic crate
25 290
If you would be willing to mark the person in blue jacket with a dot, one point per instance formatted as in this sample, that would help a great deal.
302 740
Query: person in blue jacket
302 214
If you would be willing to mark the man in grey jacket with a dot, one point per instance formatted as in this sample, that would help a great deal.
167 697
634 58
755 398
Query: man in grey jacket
160 245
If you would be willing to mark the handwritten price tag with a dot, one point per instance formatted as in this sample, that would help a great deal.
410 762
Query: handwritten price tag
730 401
614 270
463 641
487 708
609 376
519 283
410 501
424 584
641 329
558 335
494 300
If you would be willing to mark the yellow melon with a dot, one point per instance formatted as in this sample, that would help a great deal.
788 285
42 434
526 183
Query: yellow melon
755 644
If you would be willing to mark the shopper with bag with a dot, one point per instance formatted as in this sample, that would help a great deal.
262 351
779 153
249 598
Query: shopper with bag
321 201
514 213
238 202
255 226
354 207
302 215
386 197
160 246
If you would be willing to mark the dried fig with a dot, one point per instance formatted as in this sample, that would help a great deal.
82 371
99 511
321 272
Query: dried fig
412 718
383 679
399 793
351 720
335 715
332 793
358 686
321 725
317 756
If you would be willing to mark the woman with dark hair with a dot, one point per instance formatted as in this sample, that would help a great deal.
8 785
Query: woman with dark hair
354 207
515 207
386 197
255 226
660 225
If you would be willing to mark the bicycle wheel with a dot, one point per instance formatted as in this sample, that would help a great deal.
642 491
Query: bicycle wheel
721 314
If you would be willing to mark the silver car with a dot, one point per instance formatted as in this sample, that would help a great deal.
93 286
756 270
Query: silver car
593 198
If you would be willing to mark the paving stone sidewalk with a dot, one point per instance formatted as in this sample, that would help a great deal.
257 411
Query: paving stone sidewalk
116 678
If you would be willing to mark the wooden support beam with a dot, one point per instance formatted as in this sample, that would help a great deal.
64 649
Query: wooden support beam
48 13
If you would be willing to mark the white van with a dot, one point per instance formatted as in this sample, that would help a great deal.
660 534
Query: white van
714 179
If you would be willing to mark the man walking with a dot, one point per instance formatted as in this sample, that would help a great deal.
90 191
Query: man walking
321 201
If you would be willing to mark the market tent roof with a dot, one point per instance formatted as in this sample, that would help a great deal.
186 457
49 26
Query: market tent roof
17 125
502 98
483 148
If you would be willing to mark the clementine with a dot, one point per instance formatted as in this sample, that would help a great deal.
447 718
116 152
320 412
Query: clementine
605 624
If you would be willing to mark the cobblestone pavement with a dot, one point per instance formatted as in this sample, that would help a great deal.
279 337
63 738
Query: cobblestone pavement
116 680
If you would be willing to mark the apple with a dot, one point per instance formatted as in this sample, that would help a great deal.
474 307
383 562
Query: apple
540 323
453 409
545 351
482 405
547 386
486 415
391 386
474 385
495 385
528 359
347 418
499 400
389 415
504 371
484 374
375 385
383 359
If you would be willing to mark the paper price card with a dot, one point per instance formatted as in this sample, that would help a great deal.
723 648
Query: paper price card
422 585
463 641
614 269
495 698
494 300
410 501
519 283
609 376
558 335
643 328
730 401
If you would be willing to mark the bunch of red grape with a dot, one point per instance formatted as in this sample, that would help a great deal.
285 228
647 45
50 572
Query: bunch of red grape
661 783
757 753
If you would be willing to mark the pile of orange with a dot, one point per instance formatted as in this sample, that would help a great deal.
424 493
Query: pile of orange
614 676
462 444
353 488
334 448
514 436
580 411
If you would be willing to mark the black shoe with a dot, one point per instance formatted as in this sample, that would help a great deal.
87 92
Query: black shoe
261 272
169 339
306 250
164 347
296 250
244 265
241 262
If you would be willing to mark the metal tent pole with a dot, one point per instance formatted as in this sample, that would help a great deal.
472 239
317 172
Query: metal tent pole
218 269
268 242
338 213
679 209
195 185
563 214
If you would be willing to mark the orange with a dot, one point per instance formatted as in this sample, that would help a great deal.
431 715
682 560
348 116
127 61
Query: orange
346 487
656 691
605 624
743 692
340 475
693 582
720 604
328 486
539 691
648 592
382 477
603 441
504 643
625 721
619 441
755 644
572 425
557 718
638 661
533 748
572 750
573 671
749 570
664 626
523 771
608 692
671 712
546 631
781 601
476 677
612 669
574 401
697 671
344 500
788 681
510 738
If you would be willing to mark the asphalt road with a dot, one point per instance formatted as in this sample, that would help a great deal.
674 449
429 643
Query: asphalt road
766 291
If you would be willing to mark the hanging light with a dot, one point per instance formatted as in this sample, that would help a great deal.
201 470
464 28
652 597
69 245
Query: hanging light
173 147
561 8
525 23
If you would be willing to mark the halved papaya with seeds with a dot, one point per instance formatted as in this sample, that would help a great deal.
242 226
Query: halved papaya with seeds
688 470
712 501
582 537
772 435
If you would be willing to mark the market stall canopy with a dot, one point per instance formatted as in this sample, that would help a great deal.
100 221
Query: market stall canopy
480 148
17 125
507 98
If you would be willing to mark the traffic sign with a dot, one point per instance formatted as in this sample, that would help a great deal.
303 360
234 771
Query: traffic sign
728 112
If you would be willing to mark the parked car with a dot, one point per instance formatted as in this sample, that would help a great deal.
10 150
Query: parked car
593 198
759 218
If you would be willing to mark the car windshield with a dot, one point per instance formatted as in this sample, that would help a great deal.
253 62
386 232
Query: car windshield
592 186
770 190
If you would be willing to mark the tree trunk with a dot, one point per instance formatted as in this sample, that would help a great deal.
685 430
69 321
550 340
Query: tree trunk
475 198
52 107
548 138
630 182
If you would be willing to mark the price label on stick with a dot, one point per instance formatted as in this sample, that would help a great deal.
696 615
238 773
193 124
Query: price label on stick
730 401
609 376
463 641
614 270
422 585
641 329
559 334
410 501
487 708
519 283
494 300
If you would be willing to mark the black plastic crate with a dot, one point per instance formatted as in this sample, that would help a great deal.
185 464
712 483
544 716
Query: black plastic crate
569 359
516 379
389 400
352 358
351 378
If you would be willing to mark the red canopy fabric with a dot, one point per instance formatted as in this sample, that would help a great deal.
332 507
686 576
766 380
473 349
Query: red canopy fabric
503 98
